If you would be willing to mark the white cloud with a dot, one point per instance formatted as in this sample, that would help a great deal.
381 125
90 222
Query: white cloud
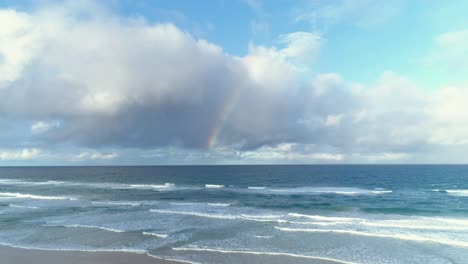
384 157
289 152
333 120
20 154
301 46
368 14
94 155
450 51
42 127
18 38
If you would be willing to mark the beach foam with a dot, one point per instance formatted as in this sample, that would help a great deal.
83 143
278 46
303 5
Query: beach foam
325 190
382 235
457 192
214 186
125 250
229 251
32 196
149 186
23 206
155 234
88 226
219 204
256 188
116 203
199 214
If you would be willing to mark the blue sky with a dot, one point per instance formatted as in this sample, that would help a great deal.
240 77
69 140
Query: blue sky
248 81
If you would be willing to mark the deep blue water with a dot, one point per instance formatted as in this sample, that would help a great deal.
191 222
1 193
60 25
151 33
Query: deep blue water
225 214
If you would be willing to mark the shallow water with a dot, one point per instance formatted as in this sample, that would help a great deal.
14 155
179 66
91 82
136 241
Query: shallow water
227 214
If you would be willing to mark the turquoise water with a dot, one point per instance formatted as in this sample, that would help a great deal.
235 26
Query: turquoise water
242 214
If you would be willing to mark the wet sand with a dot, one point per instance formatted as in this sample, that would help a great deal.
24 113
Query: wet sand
11 255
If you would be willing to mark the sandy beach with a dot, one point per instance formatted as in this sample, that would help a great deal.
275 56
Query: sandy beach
11 255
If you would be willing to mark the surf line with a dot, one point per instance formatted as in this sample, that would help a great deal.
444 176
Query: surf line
227 251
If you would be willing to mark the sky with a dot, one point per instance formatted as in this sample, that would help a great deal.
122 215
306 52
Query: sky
233 82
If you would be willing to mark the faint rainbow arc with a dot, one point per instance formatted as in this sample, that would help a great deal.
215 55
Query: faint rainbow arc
226 111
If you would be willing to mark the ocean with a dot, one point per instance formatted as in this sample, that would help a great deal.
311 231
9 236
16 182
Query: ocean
242 214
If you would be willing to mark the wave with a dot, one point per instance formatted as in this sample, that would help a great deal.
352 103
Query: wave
201 204
321 190
405 224
88 226
456 221
22 182
229 251
125 250
214 186
457 192
256 218
369 234
185 204
256 188
424 223
99 185
199 214
325 218
263 236
32 196
23 206
116 203
262 216
155 234
219 204
148 186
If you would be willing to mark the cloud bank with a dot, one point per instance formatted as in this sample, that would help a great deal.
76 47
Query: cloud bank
81 75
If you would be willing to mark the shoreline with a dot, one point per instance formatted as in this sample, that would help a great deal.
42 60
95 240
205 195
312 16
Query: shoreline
19 255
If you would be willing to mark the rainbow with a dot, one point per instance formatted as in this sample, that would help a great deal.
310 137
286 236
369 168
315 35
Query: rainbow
226 110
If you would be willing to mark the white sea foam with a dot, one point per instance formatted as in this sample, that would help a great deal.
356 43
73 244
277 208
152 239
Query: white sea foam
126 250
219 204
88 226
263 236
201 204
457 192
423 223
199 214
149 186
415 238
99 185
325 218
32 196
256 188
24 182
328 190
185 204
174 260
214 186
413 224
155 234
220 216
23 206
229 251
264 218
116 203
